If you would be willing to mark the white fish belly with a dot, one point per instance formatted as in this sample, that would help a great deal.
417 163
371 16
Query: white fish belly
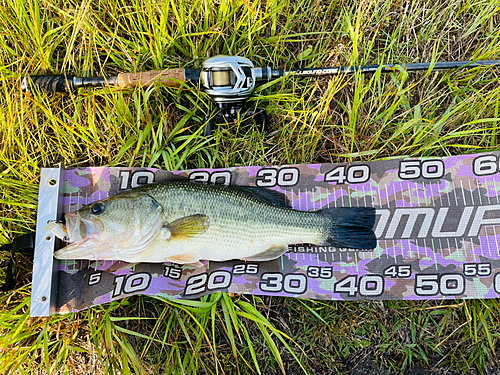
249 242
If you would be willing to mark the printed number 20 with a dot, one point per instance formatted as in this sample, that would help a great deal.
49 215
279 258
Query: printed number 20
199 283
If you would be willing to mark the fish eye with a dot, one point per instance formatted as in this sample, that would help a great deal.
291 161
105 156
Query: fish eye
98 208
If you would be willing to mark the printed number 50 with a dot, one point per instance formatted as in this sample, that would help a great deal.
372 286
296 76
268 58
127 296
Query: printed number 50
410 169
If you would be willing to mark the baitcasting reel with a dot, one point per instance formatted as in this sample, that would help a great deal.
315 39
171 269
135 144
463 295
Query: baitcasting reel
230 80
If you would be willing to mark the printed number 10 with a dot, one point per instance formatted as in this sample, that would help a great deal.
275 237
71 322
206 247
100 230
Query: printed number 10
137 282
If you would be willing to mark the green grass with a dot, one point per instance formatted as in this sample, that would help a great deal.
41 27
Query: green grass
347 118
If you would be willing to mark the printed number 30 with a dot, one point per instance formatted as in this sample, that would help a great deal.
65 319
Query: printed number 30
270 177
275 282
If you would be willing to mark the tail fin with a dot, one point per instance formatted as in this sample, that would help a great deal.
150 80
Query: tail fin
350 227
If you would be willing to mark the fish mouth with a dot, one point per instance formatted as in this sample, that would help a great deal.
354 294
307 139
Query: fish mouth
83 235
80 229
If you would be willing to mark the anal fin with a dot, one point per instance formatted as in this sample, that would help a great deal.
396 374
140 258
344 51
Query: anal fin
272 253
187 258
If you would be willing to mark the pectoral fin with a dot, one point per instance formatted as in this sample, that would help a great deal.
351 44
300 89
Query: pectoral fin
188 226
272 253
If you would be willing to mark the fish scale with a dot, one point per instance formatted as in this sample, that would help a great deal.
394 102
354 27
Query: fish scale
186 222
240 225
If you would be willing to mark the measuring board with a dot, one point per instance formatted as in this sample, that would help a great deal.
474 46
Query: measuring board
437 225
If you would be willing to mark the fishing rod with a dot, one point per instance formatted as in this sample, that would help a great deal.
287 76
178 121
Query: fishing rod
228 80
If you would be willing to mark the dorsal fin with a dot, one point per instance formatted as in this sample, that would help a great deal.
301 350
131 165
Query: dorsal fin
276 198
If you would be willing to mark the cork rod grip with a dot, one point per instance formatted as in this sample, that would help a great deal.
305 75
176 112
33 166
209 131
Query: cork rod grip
167 77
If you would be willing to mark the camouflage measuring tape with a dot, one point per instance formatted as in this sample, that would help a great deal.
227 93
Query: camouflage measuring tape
438 231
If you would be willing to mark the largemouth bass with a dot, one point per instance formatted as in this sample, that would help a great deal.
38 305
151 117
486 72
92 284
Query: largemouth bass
186 222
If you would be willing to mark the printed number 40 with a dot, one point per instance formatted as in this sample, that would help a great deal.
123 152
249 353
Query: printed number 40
368 286
354 174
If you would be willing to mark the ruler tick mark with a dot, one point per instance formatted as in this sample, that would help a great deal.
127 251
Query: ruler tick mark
471 196
463 192
455 192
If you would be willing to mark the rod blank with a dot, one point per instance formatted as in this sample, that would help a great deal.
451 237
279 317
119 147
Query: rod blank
386 68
